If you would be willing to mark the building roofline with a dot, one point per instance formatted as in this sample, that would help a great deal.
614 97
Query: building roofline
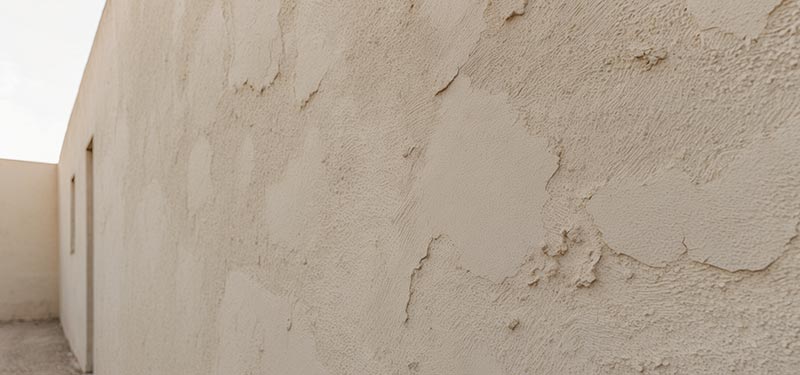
83 78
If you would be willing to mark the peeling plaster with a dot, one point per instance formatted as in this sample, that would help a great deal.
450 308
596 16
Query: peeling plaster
415 272
566 149
740 221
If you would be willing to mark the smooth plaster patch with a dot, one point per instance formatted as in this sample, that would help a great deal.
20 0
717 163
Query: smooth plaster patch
317 48
484 181
258 42
458 25
745 18
254 337
740 221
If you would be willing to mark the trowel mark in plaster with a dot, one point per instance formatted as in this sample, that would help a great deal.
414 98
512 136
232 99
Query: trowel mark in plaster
254 335
741 221
745 18
482 166
258 43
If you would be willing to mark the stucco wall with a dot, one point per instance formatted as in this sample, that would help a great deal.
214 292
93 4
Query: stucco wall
28 241
442 187
73 181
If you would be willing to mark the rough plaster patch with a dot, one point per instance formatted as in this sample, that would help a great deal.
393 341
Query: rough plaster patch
741 221
317 49
458 25
550 62
478 361
258 43
189 280
150 223
484 182
587 274
199 185
745 18
289 201
254 337
206 69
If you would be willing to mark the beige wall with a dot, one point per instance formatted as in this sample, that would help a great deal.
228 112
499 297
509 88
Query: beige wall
73 253
440 187
28 241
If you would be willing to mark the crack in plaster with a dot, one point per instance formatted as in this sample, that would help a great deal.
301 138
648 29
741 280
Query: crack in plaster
415 272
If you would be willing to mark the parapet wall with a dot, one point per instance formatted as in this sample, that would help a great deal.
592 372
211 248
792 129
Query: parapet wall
28 241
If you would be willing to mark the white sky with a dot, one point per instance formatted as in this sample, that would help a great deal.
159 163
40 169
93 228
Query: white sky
44 45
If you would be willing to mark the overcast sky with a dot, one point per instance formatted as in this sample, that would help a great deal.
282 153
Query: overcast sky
44 45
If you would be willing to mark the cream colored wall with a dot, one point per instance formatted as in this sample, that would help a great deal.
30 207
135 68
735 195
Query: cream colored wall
28 241
441 187
73 264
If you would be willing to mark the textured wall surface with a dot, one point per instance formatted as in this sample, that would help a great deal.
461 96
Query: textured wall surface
443 187
28 241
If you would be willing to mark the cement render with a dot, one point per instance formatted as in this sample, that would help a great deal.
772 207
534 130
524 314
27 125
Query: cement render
28 241
440 187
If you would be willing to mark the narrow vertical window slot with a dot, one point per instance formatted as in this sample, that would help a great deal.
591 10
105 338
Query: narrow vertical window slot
72 215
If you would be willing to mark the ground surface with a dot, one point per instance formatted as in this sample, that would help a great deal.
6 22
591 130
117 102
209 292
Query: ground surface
35 348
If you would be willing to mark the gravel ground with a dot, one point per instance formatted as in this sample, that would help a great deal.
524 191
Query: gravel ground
35 348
